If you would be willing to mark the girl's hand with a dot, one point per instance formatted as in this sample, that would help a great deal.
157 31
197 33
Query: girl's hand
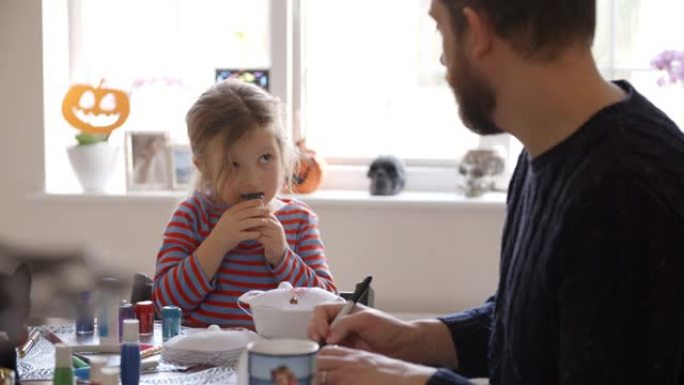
272 237
240 223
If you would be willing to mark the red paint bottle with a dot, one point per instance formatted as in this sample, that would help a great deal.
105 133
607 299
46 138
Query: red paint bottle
144 312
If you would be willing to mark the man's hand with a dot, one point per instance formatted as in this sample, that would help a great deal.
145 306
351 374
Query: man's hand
426 342
341 366
366 329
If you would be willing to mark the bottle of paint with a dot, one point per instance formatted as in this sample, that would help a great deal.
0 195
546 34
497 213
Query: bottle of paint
130 353
64 374
144 312
97 363
110 376
108 315
126 311
171 322
85 313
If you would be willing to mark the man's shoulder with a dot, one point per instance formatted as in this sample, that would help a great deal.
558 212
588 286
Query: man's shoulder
634 143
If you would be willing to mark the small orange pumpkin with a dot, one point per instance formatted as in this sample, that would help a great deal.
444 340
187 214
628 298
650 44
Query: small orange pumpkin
309 173
95 110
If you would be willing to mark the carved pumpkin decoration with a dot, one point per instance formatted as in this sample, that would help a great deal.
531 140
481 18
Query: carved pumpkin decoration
309 173
95 110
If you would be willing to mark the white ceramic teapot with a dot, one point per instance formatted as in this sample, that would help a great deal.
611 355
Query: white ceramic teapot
284 312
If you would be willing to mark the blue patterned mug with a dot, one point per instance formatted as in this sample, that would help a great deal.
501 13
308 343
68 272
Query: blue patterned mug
279 362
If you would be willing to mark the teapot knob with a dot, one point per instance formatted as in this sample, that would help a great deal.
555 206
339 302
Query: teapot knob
284 285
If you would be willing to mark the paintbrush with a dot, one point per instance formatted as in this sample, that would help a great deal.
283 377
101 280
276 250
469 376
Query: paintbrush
32 339
49 335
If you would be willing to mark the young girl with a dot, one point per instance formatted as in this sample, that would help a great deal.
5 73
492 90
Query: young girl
234 234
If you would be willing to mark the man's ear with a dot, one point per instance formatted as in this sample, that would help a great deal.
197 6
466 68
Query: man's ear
197 163
480 31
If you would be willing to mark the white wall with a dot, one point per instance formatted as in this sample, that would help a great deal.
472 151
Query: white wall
424 258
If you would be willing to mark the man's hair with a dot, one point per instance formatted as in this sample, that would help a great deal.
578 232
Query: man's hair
535 28
226 112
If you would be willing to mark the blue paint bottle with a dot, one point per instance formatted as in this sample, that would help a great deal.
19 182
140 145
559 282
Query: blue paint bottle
130 353
85 313
171 322
108 315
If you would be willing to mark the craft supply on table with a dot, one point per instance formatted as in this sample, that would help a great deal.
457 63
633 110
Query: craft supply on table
361 289
126 311
171 322
149 352
38 365
78 362
64 374
212 346
144 312
34 334
85 313
110 376
108 315
349 305
96 366
49 335
130 353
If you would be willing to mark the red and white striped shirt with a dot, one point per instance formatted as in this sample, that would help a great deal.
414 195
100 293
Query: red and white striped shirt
180 280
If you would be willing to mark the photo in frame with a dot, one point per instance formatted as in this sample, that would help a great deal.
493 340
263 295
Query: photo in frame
148 162
183 170
258 76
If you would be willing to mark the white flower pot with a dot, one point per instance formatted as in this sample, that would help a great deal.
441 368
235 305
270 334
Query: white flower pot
94 164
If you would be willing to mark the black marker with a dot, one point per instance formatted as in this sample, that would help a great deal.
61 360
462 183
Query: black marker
361 289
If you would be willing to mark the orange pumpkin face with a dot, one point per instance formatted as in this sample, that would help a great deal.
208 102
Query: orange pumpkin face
309 174
95 110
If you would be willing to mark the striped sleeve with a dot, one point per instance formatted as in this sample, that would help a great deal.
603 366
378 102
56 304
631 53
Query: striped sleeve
305 264
179 279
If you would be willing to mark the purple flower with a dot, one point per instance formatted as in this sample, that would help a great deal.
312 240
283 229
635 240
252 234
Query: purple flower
672 63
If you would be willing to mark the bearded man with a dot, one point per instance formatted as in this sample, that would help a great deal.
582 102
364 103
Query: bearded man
591 287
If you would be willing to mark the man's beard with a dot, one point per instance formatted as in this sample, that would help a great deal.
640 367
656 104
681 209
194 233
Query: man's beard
476 99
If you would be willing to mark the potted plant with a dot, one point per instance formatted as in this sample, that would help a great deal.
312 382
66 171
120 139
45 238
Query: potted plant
95 112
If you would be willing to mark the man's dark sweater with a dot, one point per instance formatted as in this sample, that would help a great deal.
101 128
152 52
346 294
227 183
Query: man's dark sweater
591 289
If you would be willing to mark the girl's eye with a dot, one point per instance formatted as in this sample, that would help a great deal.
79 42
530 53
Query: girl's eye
265 158
235 165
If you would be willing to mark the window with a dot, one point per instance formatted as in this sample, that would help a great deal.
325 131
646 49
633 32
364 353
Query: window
630 33
374 84
163 52
361 77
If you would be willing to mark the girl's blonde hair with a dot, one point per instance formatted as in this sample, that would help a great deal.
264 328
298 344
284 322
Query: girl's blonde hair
227 111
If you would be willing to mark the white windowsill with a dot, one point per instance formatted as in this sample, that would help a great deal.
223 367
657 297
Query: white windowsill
347 198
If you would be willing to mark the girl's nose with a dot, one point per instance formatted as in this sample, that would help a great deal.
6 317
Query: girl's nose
249 181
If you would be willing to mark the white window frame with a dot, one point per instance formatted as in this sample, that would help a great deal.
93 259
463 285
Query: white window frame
349 173
288 82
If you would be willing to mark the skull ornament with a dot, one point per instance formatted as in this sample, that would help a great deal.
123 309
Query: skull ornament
479 167
387 175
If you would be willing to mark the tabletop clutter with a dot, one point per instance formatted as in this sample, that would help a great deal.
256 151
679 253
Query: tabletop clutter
124 344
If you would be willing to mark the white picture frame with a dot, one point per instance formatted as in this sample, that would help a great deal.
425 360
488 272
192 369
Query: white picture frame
183 172
148 163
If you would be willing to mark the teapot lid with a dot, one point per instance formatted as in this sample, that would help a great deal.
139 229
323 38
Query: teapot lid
286 297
